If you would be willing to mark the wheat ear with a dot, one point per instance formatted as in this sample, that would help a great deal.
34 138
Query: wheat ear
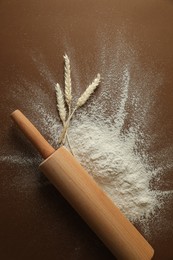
60 103
68 94
67 76
87 93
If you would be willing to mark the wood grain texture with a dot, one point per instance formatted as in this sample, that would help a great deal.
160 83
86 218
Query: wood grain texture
95 207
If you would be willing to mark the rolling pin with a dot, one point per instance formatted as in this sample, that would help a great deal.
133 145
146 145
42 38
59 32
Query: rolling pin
86 197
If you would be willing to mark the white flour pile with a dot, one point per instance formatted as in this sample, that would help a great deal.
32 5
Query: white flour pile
112 161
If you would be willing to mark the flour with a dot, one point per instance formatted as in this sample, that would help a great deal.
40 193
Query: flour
110 137
111 156
111 160
17 159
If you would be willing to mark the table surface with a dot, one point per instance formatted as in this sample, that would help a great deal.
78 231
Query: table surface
35 221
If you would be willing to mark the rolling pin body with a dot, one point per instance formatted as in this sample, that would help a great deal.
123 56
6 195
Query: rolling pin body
95 207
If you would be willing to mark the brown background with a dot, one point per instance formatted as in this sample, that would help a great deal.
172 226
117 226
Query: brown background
35 221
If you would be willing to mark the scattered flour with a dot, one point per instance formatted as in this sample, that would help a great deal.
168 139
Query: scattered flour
17 159
109 137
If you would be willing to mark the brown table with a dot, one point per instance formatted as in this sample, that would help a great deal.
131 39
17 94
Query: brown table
35 221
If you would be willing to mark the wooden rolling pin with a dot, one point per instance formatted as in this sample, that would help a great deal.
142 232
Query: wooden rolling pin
86 197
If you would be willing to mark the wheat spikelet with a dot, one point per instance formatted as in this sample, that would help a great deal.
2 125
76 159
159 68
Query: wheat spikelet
67 76
87 93
60 103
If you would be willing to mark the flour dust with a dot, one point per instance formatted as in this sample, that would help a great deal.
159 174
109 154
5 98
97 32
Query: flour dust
110 136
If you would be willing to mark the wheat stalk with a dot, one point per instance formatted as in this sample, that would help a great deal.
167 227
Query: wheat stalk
60 103
87 93
67 76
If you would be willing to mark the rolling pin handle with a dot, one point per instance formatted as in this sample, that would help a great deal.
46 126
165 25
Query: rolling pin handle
29 130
